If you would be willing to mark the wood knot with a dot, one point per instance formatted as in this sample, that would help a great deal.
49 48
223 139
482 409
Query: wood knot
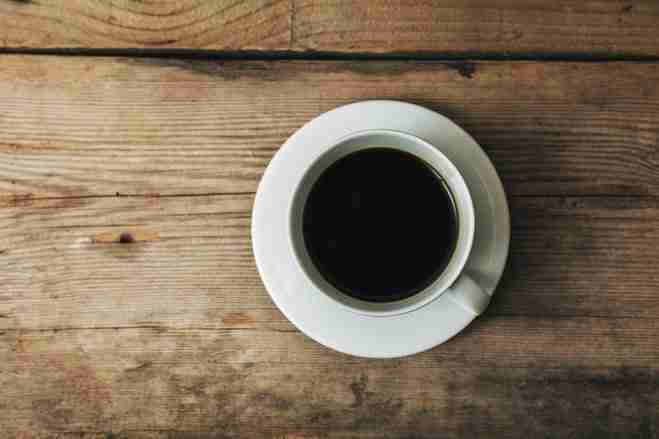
466 69
126 238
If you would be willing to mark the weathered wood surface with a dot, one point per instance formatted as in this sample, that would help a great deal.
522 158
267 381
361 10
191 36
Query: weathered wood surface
504 378
130 306
604 27
100 126
186 262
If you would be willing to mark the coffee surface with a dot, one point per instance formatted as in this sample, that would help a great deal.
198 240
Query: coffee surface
380 225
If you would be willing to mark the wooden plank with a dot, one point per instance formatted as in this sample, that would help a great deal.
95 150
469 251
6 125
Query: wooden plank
482 26
490 342
186 262
505 27
510 377
226 25
101 126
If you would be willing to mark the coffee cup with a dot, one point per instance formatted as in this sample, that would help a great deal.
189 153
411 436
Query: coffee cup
324 200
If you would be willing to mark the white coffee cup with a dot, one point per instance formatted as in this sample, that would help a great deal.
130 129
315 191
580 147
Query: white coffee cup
453 281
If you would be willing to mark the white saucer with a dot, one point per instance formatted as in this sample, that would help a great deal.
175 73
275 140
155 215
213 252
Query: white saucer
323 319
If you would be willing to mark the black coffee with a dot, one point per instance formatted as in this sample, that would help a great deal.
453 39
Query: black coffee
380 225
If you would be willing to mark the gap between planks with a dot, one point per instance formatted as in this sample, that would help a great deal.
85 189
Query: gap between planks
166 328
311 55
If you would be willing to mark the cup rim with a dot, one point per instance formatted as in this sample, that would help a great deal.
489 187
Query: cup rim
465 214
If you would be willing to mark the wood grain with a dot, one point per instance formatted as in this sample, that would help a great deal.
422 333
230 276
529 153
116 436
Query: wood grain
481 26
186 262
508 377
227 25
381 26
134 317
130 306
106 126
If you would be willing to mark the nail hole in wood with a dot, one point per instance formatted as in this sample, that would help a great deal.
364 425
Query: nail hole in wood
126 238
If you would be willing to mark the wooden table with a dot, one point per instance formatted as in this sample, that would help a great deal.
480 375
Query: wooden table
133 135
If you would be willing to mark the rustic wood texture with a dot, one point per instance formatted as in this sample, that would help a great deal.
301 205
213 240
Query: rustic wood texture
604 27
186 262
101 126
504 378
130 306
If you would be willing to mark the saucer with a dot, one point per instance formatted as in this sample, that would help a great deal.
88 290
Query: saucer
320 317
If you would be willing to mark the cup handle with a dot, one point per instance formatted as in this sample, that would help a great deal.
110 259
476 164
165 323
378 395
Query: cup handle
468 295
